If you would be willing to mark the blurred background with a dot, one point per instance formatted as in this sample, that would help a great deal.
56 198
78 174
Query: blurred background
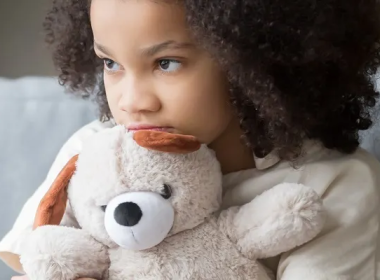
22 50
36 116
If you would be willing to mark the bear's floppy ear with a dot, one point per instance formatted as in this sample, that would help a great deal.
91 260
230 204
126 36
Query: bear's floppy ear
166 142
53 205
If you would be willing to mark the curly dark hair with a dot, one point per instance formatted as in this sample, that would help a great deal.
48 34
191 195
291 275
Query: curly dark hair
298 69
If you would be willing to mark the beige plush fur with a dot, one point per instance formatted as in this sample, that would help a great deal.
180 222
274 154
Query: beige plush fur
198 242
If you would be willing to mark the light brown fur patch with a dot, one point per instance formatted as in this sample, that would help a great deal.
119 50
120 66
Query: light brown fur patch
52 207
166 142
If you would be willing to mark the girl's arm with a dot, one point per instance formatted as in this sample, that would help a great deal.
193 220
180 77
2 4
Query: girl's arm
10 246
347 248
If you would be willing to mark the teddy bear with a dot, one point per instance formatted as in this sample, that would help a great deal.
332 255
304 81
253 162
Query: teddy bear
147 206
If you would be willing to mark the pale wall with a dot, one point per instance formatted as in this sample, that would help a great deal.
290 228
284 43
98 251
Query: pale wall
22 50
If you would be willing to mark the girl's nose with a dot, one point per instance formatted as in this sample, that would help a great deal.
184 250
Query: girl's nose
138 96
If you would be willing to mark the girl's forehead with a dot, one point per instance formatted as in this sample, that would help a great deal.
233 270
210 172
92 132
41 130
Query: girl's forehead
137 24
142 15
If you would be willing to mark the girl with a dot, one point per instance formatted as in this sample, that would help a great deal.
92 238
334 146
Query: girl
289 78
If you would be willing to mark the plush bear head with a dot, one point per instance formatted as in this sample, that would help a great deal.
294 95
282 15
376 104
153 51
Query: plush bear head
134 189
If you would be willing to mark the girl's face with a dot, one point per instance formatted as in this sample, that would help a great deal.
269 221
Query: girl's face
155 76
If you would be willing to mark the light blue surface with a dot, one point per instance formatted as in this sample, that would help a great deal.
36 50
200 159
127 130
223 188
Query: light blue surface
36 118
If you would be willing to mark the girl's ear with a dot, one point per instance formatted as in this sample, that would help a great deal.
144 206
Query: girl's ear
53 205
166 142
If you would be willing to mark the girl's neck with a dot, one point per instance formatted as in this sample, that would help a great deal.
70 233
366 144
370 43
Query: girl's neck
232 154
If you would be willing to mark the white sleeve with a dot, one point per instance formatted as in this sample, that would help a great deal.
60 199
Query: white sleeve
348 247
11 244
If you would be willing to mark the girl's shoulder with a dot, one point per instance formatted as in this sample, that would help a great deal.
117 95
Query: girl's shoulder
74 145
92 128
360 164
76 141
332 173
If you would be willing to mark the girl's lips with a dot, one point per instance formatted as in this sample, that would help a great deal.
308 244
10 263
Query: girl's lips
148 127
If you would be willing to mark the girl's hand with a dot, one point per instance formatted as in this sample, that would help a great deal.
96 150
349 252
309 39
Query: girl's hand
27 278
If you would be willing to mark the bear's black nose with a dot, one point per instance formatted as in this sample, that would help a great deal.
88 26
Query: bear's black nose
128 214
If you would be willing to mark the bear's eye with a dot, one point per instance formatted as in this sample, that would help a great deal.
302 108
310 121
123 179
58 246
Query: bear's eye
166 191
104 207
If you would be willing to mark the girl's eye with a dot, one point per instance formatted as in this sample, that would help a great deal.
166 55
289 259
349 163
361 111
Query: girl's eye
169 65
166 191
111 65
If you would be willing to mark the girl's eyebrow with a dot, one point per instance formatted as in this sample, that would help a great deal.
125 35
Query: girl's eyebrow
170 44
154 49
103 49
